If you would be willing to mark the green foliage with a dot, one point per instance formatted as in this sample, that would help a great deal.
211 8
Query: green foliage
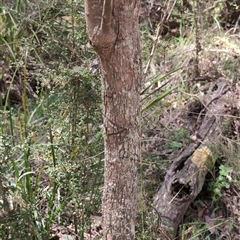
179 138
221 182
202 230
155 91
51 147
9 31
54 158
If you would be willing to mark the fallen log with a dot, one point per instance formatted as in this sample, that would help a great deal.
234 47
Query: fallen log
186 176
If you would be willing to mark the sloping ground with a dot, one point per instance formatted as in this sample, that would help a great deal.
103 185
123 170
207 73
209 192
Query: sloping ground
186 176
214 213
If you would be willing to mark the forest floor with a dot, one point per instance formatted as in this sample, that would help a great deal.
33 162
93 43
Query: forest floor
215 213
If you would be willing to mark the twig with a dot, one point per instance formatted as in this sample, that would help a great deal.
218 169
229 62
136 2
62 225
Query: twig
236 24
159 31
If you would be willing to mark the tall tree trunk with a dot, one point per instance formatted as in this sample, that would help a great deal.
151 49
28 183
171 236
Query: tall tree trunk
114 33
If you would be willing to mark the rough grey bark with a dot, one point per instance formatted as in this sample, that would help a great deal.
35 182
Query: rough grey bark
114 33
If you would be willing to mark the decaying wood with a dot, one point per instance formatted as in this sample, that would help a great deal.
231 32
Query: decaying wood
185 178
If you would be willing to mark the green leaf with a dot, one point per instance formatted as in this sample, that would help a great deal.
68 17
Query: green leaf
217 191
157 89
224 171
175 145
159 79
158 99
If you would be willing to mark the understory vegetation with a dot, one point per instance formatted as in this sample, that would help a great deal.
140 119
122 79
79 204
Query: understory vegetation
51 129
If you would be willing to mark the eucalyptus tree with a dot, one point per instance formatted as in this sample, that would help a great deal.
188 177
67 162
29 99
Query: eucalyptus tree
113 31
